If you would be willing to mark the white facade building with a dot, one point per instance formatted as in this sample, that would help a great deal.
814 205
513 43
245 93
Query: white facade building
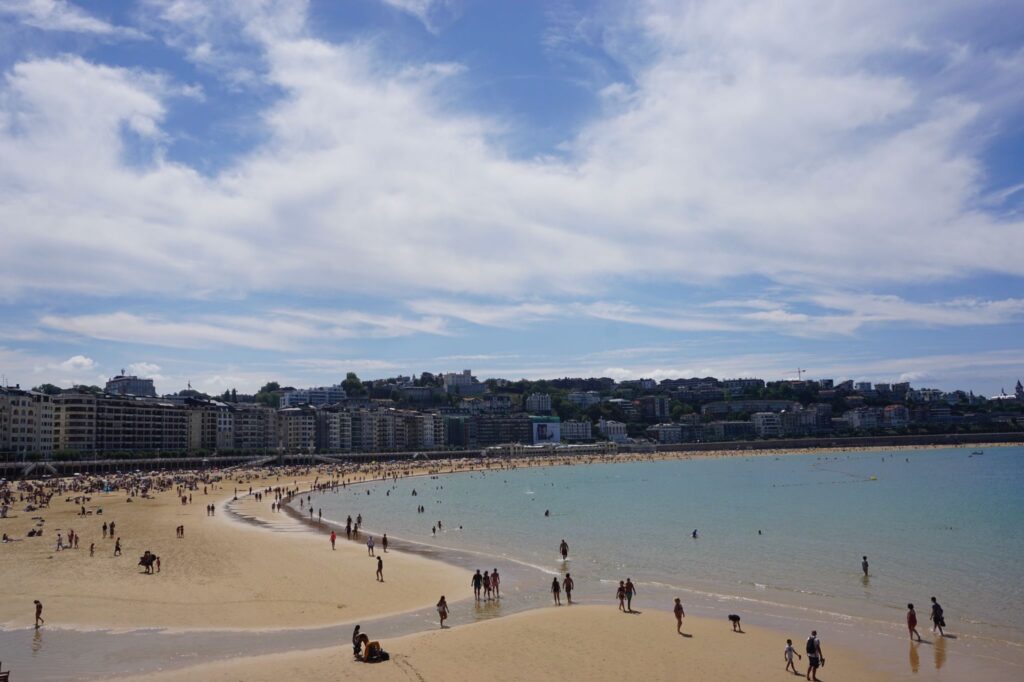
767 424
576 430
612 430
319 396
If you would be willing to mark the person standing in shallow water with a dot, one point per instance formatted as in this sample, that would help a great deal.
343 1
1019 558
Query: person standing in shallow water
938 618
912 622
496 583
564 549
477 582
39 613
864 566
556 591
568 586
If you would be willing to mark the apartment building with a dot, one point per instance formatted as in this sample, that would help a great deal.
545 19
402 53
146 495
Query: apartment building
538 403
26 422
575 430
318 396
296 428
334 430
255 427
767 424
612 430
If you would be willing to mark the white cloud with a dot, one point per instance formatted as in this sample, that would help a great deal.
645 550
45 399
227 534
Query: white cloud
77 363
431 13
277 330
754 142
61 15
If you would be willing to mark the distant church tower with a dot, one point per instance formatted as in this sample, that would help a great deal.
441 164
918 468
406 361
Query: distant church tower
1020 391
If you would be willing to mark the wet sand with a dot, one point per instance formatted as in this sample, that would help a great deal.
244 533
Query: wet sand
571 642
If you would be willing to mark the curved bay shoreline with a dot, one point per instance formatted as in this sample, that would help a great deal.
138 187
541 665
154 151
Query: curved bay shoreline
298 563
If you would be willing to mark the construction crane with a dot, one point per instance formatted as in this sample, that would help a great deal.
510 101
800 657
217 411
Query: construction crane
800 374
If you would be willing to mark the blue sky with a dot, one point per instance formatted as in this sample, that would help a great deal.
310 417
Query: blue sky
231 193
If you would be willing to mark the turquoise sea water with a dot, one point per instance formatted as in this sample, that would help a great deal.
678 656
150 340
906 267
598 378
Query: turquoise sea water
932 522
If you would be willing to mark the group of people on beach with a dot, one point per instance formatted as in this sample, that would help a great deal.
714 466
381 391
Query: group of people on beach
488 584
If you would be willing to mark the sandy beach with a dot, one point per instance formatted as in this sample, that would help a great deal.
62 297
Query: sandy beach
577 642
223 574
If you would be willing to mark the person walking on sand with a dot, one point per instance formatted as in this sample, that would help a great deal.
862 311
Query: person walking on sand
380 569
564 549
938 618
487 586
788 654
815 658
630 591
556 591
117 547
334 538
369 545
477 582
620 594
678 610
912 623
384 542
442 610
567 585
496 583
39 613
864 566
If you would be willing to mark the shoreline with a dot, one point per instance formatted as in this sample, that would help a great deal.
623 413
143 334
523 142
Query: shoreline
270 540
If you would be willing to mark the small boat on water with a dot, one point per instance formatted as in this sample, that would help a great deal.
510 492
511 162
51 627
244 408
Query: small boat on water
977 452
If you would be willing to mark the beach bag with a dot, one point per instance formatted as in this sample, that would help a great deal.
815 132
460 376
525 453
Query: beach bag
812 649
